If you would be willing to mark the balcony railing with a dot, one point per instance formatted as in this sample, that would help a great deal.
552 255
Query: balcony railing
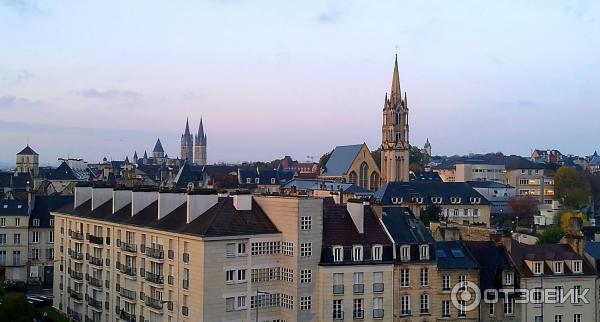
75 295
378 313
128 270
76 316
154 278
75 255
338 289
129 294
76 275
95 282
358 288
406 312
95 303
132 248
130 317
358 314
378 287
338 315
157 252
153 303
95 239
75 234
95 260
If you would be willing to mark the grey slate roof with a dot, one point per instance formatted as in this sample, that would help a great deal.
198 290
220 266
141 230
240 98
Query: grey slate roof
43 205
454 255
427 190
492 261
425 176
27 151
404 227
341 159
13 207
158 147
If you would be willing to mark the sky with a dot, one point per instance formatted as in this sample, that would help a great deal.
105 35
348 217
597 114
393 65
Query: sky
91 79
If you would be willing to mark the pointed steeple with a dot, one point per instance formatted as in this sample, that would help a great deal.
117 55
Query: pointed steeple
395 94
145 155
187 127
135 156
126 160
201 129
158 147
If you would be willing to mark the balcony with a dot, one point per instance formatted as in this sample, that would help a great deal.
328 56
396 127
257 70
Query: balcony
76 275
127 270
95 239
78 296
378 287
95 282
378 313
154 278
358 314
75 316
128 294
338 289
405 312
338 315
75 234
94 303
126 247
153 303
126 316
156 253
75 255
97 261
358 288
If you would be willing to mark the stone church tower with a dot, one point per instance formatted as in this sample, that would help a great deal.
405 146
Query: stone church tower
187 144
28 161
394 143
200 146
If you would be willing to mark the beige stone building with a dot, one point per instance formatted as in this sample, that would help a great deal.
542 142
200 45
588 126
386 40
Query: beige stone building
353 164
14 233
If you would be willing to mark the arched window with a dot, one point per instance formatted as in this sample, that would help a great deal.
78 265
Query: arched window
364 176
352 177
374 181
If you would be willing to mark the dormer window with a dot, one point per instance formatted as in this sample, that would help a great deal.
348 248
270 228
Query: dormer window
396 200
436 200
357 253
508 278
475 200
272 180
454 200
247 180
36 222
405 253
558 267
417 199
577 266
256 180
377 253
338 254
537 268
424 252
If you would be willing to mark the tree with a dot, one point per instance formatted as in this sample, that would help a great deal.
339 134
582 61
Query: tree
571 187
377 157
417 159
551 235
431 213
324 158
15 308
523 209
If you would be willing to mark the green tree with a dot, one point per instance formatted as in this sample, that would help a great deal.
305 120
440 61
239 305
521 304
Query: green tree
417 159
571 187
551 235
431 213
324 158
15 308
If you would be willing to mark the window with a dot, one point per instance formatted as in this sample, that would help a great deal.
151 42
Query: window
305 249
17 222
405 253
305 303
357 253
404 277
36 222
377 282
359 286
241 302
377 253
446 283
577 266
230 249
461 308
462 281
51 237
405 305
247 180
358 309
508 278
559 293
352 177
50 253
306 276
230 276
508 306
35 254
424 252
241 249
35 237
577 317
424 303
229 304
424 276
287 248
257 180
16 257
338 283
492 309
338 310
305 222
2 239
17 239
558 267
2 222
445 308
364 176
537 268
272 180
51 222
241 275
436 200
537 295
576 293
558 318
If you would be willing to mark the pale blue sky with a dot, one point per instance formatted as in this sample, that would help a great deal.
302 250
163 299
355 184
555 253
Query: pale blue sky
96 78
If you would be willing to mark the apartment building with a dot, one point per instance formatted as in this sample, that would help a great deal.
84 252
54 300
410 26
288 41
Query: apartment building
14 219
356 267
478 170
458 201
558 267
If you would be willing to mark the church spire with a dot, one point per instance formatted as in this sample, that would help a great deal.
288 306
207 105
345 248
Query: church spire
187 127
200 135
396 94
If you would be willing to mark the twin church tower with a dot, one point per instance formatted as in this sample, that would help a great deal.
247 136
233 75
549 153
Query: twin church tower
193 149
395 147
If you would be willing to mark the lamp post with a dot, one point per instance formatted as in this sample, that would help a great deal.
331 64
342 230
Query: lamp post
256 301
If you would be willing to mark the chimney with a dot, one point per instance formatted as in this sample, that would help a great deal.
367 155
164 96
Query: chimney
169 200
356 209
506 241
575 241
199 201
83 193
142 198
121 198
242 200
100 195
336 197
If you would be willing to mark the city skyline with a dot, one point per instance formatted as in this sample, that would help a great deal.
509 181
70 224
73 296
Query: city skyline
72 85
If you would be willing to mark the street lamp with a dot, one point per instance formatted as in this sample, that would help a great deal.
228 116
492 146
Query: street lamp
256 300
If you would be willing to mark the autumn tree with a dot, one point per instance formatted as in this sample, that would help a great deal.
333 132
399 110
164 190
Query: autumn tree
523 208
551 235
571 187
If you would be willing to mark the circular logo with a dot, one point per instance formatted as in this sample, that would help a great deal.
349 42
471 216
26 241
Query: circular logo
466 296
